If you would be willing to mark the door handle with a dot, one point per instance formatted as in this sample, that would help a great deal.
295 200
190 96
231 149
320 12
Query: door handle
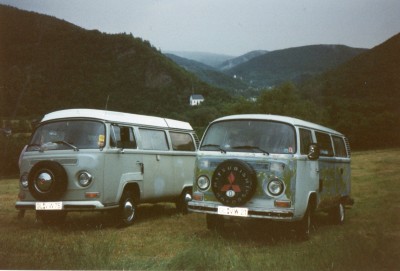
141 165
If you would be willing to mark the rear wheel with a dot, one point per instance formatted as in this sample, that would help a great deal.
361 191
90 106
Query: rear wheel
127 209
337 214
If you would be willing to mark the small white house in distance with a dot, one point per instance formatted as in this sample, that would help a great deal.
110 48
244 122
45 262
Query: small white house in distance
196 99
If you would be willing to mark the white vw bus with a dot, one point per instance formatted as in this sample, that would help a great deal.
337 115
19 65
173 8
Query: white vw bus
271 167
95 160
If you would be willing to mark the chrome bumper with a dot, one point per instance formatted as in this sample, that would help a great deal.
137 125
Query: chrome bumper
68 205
212 208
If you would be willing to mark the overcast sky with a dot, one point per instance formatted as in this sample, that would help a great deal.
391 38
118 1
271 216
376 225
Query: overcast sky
231 27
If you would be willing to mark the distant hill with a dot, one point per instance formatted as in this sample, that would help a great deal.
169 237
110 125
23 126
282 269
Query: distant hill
209 59
294 64
48 64
209 74
233 62
362 96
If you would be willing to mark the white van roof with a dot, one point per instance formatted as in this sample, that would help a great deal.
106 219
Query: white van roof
118 117
289 120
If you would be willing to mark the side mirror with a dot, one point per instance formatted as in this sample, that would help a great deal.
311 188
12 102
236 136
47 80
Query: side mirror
313 151
120 146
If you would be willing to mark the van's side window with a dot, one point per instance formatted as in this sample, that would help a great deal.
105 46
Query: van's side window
182 142
340 149
305 140
122 137
325 144
154 140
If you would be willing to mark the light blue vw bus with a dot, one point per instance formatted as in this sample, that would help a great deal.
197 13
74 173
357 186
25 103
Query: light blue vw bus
271 167
97 160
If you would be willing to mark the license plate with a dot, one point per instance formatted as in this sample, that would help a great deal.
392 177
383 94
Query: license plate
224 210
49 205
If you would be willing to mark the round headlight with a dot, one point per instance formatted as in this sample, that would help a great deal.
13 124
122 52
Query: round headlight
24 180
203 182
84 178
274 187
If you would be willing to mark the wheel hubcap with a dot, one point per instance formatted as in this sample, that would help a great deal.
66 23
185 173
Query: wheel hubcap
129 211
341 212
43 182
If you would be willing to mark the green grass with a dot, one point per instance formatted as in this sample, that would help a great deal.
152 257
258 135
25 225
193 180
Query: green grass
162 239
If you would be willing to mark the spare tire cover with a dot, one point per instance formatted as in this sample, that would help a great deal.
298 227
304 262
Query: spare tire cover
234 182
47 180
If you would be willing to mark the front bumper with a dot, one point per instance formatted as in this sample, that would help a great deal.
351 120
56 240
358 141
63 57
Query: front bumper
253 212
68 205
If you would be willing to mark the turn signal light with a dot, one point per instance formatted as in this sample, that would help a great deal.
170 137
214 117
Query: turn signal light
198 196
92 195
283 203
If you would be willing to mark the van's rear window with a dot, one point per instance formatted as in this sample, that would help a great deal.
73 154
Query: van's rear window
250 136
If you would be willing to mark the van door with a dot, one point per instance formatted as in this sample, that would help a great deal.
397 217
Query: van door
184 149
328 195
307 180
122 163
157 164
343 170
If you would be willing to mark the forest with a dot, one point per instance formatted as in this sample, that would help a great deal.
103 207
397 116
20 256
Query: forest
48 64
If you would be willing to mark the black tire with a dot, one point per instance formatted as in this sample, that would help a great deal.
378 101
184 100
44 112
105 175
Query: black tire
47 181
234 182
337 214
303 227
52 217
182 203
126 212
215 222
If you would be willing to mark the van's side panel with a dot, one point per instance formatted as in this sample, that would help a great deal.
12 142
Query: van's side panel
158 175
307 182
120 168
342 172
183 166
327 182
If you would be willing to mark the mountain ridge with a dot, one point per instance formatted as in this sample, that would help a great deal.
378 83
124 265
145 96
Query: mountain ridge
362 95
294 64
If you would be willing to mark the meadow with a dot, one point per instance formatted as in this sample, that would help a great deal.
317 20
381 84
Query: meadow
163 239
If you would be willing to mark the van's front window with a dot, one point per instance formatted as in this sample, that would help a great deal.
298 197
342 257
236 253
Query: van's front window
250 136
68 134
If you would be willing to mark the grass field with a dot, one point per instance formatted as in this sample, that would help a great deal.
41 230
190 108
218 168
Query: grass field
163 239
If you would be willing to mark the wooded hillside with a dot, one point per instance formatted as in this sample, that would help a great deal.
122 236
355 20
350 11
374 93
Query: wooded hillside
48 64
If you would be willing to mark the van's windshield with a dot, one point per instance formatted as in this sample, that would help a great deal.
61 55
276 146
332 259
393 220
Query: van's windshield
68 134
250 136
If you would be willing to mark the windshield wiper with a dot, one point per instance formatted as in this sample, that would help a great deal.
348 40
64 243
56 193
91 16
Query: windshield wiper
67 144
252 148
42 147
215 146
35 145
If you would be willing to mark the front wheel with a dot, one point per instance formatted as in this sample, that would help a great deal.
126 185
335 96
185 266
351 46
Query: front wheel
303 227
127 209
182 201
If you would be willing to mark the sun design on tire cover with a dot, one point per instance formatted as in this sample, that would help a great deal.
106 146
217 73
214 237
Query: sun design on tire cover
233 183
